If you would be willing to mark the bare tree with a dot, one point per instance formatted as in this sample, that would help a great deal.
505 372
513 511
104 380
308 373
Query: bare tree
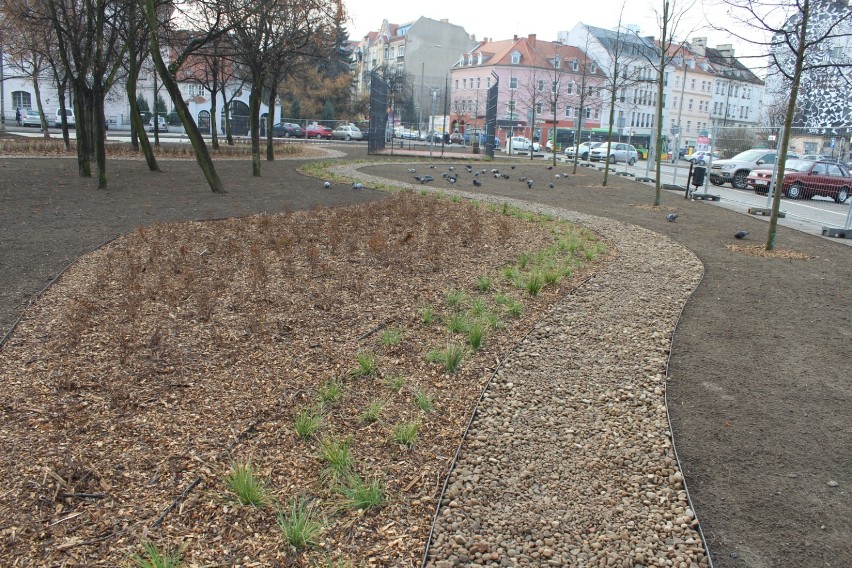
558 89
804 35
587 69
210 23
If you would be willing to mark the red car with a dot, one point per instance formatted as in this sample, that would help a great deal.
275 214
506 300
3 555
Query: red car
804 179
318 131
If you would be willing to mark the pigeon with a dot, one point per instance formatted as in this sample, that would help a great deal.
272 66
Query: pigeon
549 167
432 166
741 234
557 176
529 183
476 175
506 176
513 167
411 170
486 171
495 171
550 185
357 185
671 217
522 178
451 168
326 184
477 183
469 168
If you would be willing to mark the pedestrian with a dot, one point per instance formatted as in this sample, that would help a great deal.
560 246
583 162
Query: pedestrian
18 116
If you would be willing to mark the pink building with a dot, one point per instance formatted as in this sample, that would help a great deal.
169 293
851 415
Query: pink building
539 87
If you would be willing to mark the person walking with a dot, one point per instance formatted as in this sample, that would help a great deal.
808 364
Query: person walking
18 116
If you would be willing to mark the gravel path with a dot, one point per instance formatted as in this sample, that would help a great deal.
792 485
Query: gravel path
568 461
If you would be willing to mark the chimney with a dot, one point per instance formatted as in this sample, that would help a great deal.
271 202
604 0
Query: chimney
445 20
531 40
699 46
515 38
726 50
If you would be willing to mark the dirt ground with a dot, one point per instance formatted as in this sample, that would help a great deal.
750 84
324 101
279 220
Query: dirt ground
759 394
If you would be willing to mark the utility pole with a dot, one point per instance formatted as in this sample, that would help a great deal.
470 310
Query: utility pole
446 92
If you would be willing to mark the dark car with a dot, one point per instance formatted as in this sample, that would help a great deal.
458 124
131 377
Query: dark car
287 130
804 179
456 138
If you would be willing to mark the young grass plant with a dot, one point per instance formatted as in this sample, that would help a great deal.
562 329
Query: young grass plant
455 298
395 382
331 391
336 454
406 434
457 323
154 558
483 284
245 485
424 401
368 366
373 411
475 335
358 494
477 307
300 524
391 337
307 422
427 315
534 283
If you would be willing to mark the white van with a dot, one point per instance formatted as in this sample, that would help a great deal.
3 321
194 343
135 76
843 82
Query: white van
69 116
160 121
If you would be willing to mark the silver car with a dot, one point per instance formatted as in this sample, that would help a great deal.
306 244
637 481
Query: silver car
618 152
347 132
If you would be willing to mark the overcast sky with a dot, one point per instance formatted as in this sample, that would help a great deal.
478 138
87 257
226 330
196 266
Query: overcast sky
544 18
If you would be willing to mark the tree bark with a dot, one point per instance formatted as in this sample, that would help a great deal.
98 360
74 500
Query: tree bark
270 149
39 105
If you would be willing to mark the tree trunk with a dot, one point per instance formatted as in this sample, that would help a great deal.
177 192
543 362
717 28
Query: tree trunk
270 149
214 128
612 98
99 132
82 100
659 146
138 135
39 105
202 155
788 122
66 139
254 123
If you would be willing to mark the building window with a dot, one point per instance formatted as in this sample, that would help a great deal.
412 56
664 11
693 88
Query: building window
690 104
516 58
597 113
593 68
692 85
464 83
488 82
588 112
513 82
21 99
400 52
540 86
539 108
510 109
575 65
570 89
557 62
688 125
477 82
457 84
568 112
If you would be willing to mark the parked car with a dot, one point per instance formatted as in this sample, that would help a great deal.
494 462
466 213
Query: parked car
347 132
456 138
69 116
700 158
287 130
618 152
160 121
30 117
804 179
318 131
521 144
582 150
735 170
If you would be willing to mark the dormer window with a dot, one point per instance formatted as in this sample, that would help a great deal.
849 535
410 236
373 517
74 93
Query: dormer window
557 62
593 68
516 57
479 58
575 66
